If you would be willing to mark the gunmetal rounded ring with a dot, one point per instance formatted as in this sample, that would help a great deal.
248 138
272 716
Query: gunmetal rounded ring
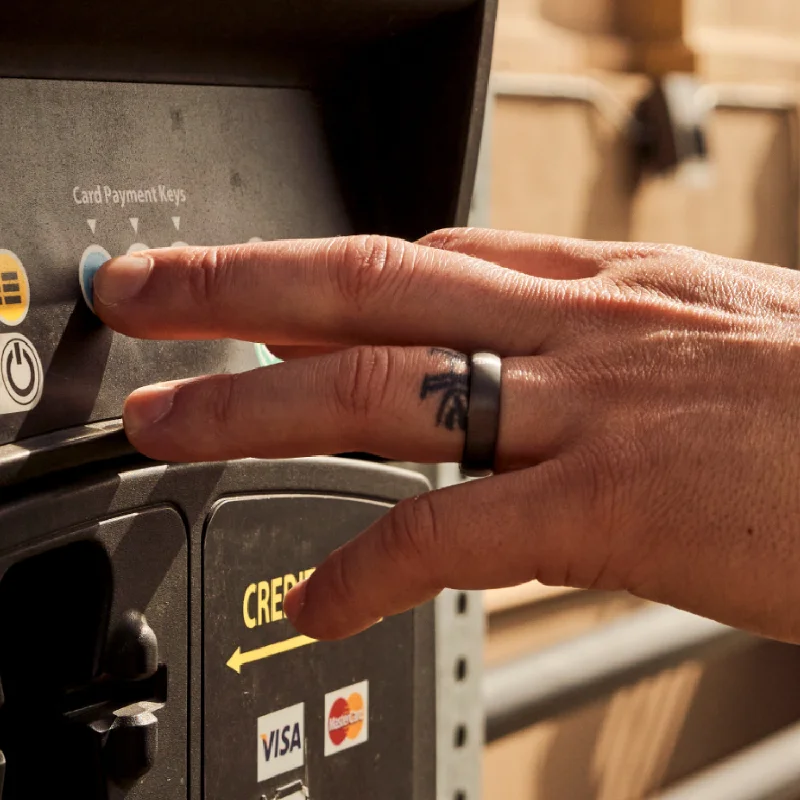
483 415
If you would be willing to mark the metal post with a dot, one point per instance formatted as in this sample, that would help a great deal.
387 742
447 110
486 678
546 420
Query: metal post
459 680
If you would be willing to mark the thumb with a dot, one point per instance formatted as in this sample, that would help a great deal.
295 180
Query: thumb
499 531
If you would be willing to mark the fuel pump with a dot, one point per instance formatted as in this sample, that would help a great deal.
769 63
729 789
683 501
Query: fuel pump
144 652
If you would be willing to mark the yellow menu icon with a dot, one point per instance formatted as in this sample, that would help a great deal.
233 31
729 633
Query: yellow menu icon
15 293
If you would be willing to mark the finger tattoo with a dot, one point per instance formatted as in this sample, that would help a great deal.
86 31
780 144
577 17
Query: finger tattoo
453 386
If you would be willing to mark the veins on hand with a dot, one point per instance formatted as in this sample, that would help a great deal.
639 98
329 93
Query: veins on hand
453 386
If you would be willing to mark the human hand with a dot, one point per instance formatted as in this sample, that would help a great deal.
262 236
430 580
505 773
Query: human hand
648 433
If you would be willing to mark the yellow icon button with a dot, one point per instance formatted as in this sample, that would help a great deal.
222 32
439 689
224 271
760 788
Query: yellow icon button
15 293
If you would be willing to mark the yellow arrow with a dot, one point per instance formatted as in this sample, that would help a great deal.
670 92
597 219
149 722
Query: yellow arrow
238 658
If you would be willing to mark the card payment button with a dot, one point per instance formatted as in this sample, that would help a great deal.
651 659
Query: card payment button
92 259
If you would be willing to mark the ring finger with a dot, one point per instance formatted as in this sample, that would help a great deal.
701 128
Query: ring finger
406 404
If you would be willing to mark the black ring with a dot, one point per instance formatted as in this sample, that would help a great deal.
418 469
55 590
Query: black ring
483 415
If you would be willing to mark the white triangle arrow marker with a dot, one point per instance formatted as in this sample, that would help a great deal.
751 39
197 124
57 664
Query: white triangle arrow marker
134 224
176 221
92 223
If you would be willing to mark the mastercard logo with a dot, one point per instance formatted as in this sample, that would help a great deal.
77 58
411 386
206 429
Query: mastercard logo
346 718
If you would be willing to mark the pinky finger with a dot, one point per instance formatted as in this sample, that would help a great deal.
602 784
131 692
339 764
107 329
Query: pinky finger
497 532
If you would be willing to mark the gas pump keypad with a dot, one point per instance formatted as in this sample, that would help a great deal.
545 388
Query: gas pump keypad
99 169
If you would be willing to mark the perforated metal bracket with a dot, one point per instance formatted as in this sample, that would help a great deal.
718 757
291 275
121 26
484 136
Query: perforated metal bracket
459 674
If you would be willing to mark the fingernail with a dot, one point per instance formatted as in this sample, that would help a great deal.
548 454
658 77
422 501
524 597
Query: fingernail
122 279
147 407
295 601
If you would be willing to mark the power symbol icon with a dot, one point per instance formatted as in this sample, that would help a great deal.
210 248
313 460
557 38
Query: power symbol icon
21 372
19 361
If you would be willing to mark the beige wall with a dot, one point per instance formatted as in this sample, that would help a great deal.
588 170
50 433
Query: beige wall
560 168
564 168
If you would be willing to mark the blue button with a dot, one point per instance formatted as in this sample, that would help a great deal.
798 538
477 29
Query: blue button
92 259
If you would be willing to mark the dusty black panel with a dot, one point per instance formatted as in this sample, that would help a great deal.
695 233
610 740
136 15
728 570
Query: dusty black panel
79 161
381 138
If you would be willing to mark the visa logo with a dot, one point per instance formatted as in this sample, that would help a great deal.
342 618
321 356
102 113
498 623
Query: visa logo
281 742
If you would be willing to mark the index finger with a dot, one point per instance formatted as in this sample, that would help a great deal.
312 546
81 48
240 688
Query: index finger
348 290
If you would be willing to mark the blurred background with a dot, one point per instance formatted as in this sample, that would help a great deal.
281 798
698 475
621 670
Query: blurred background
650 120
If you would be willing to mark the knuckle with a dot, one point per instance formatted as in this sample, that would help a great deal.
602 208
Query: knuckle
680 252
411 533
631 256
597 379
578 477
361 383
658 269
608 469
373 268
341 586
446 238
222 404
628 292
209 276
